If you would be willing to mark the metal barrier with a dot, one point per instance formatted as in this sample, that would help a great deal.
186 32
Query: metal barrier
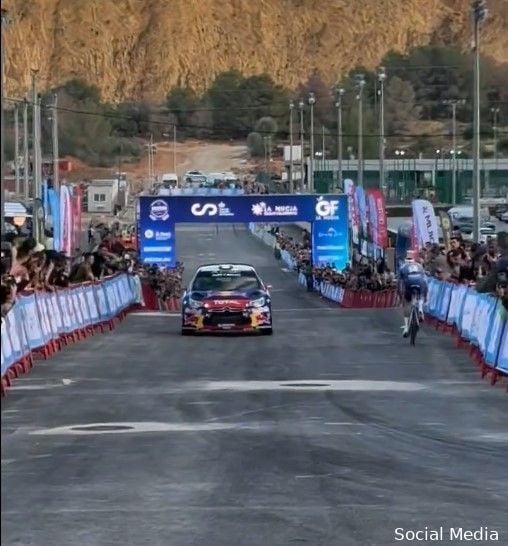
479 322
354 299
41 323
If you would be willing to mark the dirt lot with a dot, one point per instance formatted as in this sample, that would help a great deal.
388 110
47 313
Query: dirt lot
191 154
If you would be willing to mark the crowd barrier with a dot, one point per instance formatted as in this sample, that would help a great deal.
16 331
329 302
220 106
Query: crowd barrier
479 321
40 323
154 303
353 299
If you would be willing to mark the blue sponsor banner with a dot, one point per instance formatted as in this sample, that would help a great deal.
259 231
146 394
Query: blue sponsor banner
330 233
156 232
242 209
158 216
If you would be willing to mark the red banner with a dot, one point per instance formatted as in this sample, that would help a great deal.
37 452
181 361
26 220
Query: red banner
377 217
76 216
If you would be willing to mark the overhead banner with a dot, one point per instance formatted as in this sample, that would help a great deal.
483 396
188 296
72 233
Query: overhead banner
425 223
158 215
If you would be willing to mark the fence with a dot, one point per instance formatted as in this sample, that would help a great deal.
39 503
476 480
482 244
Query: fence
357 299
41 323
479 320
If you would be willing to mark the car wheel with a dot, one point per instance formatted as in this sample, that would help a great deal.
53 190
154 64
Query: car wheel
186 332
267 331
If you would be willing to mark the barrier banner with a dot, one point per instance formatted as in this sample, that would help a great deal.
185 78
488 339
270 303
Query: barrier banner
479 319
39 318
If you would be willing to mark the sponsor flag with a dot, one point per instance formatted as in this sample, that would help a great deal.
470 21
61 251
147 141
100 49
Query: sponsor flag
377 218
446 227
65 221
425 223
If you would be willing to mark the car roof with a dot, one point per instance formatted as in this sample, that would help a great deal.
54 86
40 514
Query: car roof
226 267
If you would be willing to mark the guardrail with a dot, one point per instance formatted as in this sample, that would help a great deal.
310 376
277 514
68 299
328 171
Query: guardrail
41 323
479 321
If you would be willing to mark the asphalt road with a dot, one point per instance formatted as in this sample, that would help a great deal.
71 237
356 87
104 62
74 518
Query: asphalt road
333 431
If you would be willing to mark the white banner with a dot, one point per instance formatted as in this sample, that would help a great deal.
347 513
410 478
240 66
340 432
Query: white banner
425 222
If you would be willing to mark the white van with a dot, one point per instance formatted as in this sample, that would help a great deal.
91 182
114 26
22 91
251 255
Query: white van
169 180
463 217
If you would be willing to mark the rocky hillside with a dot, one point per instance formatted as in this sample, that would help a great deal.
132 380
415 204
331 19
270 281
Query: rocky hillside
136 49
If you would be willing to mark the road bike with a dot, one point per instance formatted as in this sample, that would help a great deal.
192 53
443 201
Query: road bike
414 315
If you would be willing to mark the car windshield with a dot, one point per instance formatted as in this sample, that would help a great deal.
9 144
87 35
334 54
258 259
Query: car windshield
225 280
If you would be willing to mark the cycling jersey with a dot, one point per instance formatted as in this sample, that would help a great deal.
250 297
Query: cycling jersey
412 276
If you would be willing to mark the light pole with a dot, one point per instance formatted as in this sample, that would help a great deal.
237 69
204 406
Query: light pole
56 163
16 148
5 22
382 77
312 101
495 114
35 138
479 8
26 161
291 107
301 106
360 80
454 104
338 105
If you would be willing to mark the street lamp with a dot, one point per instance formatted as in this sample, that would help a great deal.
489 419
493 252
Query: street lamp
454 104
479 8
360 81
338 104
301 106
382 77
291 107
312 101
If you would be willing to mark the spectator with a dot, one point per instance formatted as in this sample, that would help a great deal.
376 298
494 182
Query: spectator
84 271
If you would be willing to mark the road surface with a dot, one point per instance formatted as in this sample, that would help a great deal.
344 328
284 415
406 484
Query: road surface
333 431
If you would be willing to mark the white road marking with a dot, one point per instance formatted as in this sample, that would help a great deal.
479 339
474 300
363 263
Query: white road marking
137 427
156 314
345 424
67 382
306 385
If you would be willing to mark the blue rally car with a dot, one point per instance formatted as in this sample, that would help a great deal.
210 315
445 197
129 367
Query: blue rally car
226 298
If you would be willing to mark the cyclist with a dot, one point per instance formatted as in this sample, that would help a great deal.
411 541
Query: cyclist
411 277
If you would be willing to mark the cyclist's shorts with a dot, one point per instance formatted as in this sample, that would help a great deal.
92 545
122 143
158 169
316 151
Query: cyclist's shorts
416 283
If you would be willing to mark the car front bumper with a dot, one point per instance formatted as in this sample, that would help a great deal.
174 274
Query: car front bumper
246 320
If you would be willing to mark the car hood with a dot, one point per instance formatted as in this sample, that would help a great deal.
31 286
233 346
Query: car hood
229 299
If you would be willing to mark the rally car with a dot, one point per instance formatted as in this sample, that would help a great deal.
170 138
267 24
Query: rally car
226 298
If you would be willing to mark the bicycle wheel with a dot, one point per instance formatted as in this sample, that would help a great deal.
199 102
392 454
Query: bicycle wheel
413 326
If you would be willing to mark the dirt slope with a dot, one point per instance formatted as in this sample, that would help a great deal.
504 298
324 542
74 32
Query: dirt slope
141 48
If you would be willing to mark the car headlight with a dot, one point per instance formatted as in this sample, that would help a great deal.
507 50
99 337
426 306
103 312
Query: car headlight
195 304
259 302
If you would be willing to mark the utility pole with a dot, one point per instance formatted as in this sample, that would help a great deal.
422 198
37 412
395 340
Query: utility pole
174 148
479 16
382 77
291 107
5 22
16 148
312 101
454 152
35 159
26 161
56 164
495 113
301 106
361 84
338 105
323 153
